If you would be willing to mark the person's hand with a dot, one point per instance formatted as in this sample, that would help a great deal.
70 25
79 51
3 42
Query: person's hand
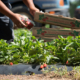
33 10
17 21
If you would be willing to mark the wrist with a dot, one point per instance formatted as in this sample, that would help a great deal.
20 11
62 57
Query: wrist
31 7
12 16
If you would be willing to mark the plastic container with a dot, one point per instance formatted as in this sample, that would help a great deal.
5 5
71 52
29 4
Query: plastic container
28 22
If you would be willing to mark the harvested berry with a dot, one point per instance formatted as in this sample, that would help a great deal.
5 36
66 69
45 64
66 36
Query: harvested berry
28 22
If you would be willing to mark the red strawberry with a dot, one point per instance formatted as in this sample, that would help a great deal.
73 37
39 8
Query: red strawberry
42 34
29 24
71 34
44 19
71 22
67 62
73 25
44 41
45 32
11 63
44 64
22 20
41 66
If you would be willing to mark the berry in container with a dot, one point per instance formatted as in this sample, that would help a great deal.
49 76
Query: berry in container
28 22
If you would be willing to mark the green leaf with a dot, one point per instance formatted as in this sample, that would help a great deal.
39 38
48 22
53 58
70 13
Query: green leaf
2 59
68 46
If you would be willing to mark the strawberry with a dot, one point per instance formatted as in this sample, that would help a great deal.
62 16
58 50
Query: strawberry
71 22
29 24
42 34
71 34
67 62
45 32
11 63
41 66
44 41
73 25
45 65
44 19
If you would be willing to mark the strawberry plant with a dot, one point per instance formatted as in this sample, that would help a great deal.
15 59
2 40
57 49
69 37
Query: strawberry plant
25 49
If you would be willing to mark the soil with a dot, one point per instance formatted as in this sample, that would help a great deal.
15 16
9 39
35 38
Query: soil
24 77
48 76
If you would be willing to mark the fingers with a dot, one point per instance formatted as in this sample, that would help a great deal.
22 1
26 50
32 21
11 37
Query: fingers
33 11
17 20
23 25
20 24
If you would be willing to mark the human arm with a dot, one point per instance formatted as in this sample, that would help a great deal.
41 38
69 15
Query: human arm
31 6
14 17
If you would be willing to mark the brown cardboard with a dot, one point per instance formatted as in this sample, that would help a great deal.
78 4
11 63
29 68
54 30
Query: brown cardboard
46 39
57 20
52 32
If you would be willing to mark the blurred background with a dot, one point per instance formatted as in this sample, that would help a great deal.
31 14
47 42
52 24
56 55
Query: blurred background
67 8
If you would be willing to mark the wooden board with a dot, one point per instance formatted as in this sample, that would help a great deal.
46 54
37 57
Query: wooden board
57 20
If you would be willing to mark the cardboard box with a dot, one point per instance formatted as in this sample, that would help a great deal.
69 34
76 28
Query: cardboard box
57 20
49 34
46 39
52 32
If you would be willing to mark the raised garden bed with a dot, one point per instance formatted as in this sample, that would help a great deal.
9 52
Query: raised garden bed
25 50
